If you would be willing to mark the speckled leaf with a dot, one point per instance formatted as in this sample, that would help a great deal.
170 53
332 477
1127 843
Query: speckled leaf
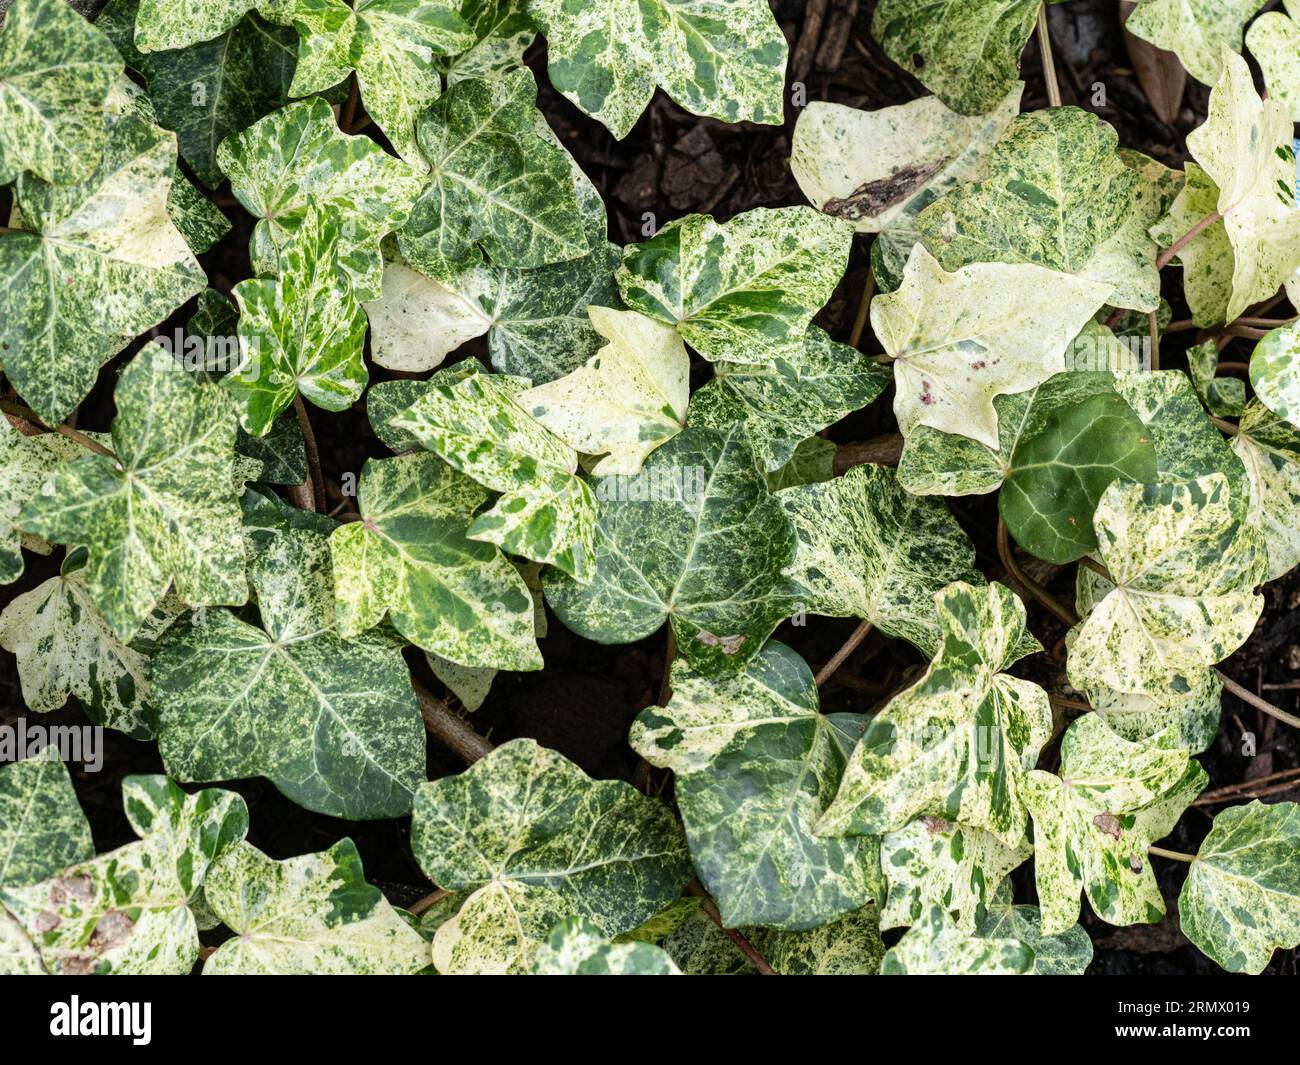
1088 833
533 836
1274 41
812 462
25 462
169 24
958 743
751 834
695 539
408 558
934 946
502 33
1275 372
476 423
1179 719
42 828
1199 32
577 947
311 915
607 56
1207 260
744 291
1224 396
1241 898
868 549
1270 450
1067 954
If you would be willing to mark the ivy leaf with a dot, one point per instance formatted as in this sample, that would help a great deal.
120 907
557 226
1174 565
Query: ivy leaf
536 840
958 743
1275 372
1274 41
502 33
311 915
607 57
867 549
628 399
546 511
295 158
751 835
813 462
577 947
1199 32
109 234
1270 450
933 862
56 71
744 291
1178 719
694 539
1067 954
1184 599
1207 260
1239 901
25 462
164 510
331 722
959 339
301 332
934 946
42 828
1224 396
409 557
169 24
801 392
130 911
1089 834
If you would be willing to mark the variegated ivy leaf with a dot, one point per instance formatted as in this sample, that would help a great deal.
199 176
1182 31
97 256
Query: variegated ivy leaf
694 539
408 557
64 647
1199 32
813 462
726 62
1179 719
960 339
743 291
109 236
966 54
25 462
865 548
55 73
1275 372
129 911
1057 193
1245 148
164 509
1184 572
1067 954
628 399
933 862
958 743
1089 830
577 947
301 331
1224 396
1207 260
333 723
781 403
880 168
499 184
1240 900
295 158
502 33
1274 41
1270 450
42 828
169 24
537 840
311 915
751 835
934 946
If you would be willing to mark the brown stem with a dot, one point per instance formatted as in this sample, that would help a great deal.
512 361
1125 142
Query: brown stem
1153 325
349 112
837 659
1049 64
1249 697
1007 555
743 945
1225 427
1168 254
1246 788
1177 856
881 451
452 731
864 305
313 455
670 656
420 905
1096 567
17 410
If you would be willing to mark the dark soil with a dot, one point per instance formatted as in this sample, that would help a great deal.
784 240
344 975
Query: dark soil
672 164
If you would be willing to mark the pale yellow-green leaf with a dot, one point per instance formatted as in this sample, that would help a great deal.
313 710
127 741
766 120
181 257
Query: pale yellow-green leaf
1199 32
1274 40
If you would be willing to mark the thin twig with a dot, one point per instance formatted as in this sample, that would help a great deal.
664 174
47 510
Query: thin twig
1049 64
1177 856
743 945
313 455
1225 427
1168 254
17 410
864 306
837 659
446 727
349 112
1005 552
881 451
418 907
1232 791
1259 703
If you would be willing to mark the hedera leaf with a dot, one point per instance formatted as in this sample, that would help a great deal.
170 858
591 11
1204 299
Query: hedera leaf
25 462
1199 32
168 24
578 947
408 557
813 462
1224 396
1274 41
311 915
751 835
607 57
959 742
694 539
1270 450
1178 719
1207 260
1068 953
537 840
1275 372
502 33
42 828
744 291
935 946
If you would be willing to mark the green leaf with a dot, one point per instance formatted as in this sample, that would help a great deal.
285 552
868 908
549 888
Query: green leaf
751 834
936 947
300 332
107 235
311 915
536 840
1066 954
1241 898
502 33
1270 450
867 549
408 557
959 742
333 723
42 828
628 399
1274 41
801 392
55 73
130 911
25 462
168 24
1224 396
577 947
1199 32
959 339
1275 372
476 422
1207 260
164 510
1089 833
744 291
695 539
813 462
296 158
608 56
